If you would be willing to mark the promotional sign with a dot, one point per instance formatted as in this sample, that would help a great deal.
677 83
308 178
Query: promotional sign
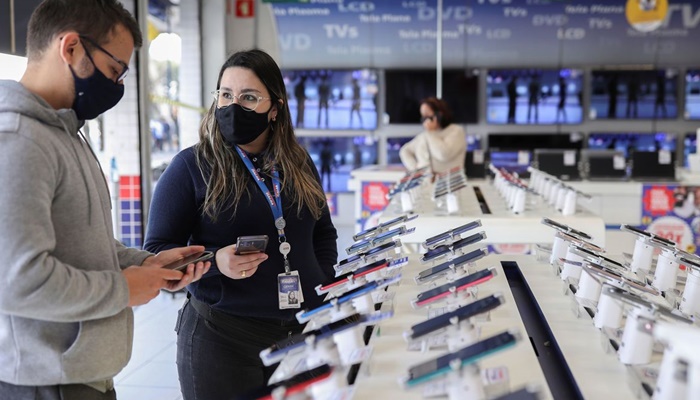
673 212
332 200
486 33
374 201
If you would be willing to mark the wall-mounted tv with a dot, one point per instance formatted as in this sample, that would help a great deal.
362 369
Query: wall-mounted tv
628 142
335 157
634 94
534 96
532 141
692 94
405 89
332 99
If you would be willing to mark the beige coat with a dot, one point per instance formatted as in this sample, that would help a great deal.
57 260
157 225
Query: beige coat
440 150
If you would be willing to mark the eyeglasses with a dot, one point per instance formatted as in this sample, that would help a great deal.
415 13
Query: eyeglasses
423 119
249 101
125 68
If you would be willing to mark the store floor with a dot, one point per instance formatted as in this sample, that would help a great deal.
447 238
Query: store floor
151 373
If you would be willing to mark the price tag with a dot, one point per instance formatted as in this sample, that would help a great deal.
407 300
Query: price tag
569 158
478 157
664 157
618 162
435 312
523 158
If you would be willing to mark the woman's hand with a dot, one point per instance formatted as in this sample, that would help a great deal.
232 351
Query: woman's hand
238 266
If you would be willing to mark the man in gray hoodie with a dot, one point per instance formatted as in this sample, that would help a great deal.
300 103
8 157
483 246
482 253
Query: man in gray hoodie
66 285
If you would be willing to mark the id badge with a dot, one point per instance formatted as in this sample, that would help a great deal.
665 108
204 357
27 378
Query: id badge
289 291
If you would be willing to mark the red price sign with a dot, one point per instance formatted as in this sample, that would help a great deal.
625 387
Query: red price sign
245 8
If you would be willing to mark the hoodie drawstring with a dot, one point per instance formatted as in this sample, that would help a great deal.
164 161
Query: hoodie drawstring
82 172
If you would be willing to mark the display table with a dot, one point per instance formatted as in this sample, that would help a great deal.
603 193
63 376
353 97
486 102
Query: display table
597 374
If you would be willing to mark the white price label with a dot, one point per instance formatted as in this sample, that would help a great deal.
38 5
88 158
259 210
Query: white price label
478 157
664 157
523 158
569 158
618 162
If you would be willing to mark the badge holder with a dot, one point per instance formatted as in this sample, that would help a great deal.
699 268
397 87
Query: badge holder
679 373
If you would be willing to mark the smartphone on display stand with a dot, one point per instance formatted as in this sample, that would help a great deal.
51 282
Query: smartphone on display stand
566 229
368 255
459 285
635 300
437 271
640 232
434 241
251 244
444 320
607 273
383 226
440 251
468 355
181 265
378 239
358 273
294 385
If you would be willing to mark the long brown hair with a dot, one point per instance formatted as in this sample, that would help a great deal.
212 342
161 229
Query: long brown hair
228 177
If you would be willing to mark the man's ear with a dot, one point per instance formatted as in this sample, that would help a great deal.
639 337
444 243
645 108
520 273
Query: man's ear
70 49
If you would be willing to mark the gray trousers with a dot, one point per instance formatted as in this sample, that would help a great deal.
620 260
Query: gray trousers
57 392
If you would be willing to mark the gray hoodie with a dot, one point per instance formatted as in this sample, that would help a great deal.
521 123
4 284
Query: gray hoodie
63 299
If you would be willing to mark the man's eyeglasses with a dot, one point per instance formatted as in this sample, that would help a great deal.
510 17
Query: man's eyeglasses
124 67
423 119
249 101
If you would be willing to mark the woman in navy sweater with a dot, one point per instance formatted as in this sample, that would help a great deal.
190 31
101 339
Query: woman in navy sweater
246 176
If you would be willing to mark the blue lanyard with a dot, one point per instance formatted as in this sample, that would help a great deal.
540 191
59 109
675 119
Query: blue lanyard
274 201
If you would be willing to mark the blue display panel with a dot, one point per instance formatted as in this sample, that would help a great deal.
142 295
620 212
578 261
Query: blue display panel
534 96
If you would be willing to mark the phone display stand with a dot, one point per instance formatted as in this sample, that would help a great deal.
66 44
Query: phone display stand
679 373
452 203
461 333
666 274
589 289
644 246
637 344
609 312
349 342
465 382
406 201
518 205
329 387
690 300
569 207
571 266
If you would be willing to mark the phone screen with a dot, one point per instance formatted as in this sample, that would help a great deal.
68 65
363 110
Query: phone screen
461 284
251 244
469 354
462 313
181 265
430 272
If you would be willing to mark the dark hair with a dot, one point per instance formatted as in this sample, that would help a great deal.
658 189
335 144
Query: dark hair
95 19
441 110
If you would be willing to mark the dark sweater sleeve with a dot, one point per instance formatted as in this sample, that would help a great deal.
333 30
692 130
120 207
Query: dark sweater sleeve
325 235
174 210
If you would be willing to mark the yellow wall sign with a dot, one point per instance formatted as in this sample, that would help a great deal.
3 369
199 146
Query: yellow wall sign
646 15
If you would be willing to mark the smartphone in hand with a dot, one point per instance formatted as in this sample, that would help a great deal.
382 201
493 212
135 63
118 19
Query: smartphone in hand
181 265
251 244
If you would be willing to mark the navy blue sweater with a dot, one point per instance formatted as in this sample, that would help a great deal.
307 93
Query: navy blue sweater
176 219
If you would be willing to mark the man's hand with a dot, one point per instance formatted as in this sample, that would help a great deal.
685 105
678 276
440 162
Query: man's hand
145 282
193 273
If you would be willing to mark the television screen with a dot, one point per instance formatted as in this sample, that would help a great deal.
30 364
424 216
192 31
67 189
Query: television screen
527 141
534 96
514 161
692 94
336 157
394 144
405 89
626 142
640 94
332 99
690 146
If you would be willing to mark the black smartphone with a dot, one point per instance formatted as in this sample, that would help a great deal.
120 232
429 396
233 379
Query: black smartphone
379 239
292 386
446 249
566 228
362 271
470 310
604 272
460 284
630 228
522 394
453 189
373 251
251 244
434 240
427 370
278 350
372 231
636 300
181 265
439 270
592 254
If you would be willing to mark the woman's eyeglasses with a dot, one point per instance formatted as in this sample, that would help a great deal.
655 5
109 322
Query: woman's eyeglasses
249 101
428 118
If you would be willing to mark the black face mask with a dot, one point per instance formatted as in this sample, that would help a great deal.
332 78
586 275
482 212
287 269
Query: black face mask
239 126
95 94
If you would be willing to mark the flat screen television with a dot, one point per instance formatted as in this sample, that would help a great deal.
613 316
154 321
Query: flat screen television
634 94
534 96
560 163
405 89
629 142
332 98
336 157
532 141
692 94
513 161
